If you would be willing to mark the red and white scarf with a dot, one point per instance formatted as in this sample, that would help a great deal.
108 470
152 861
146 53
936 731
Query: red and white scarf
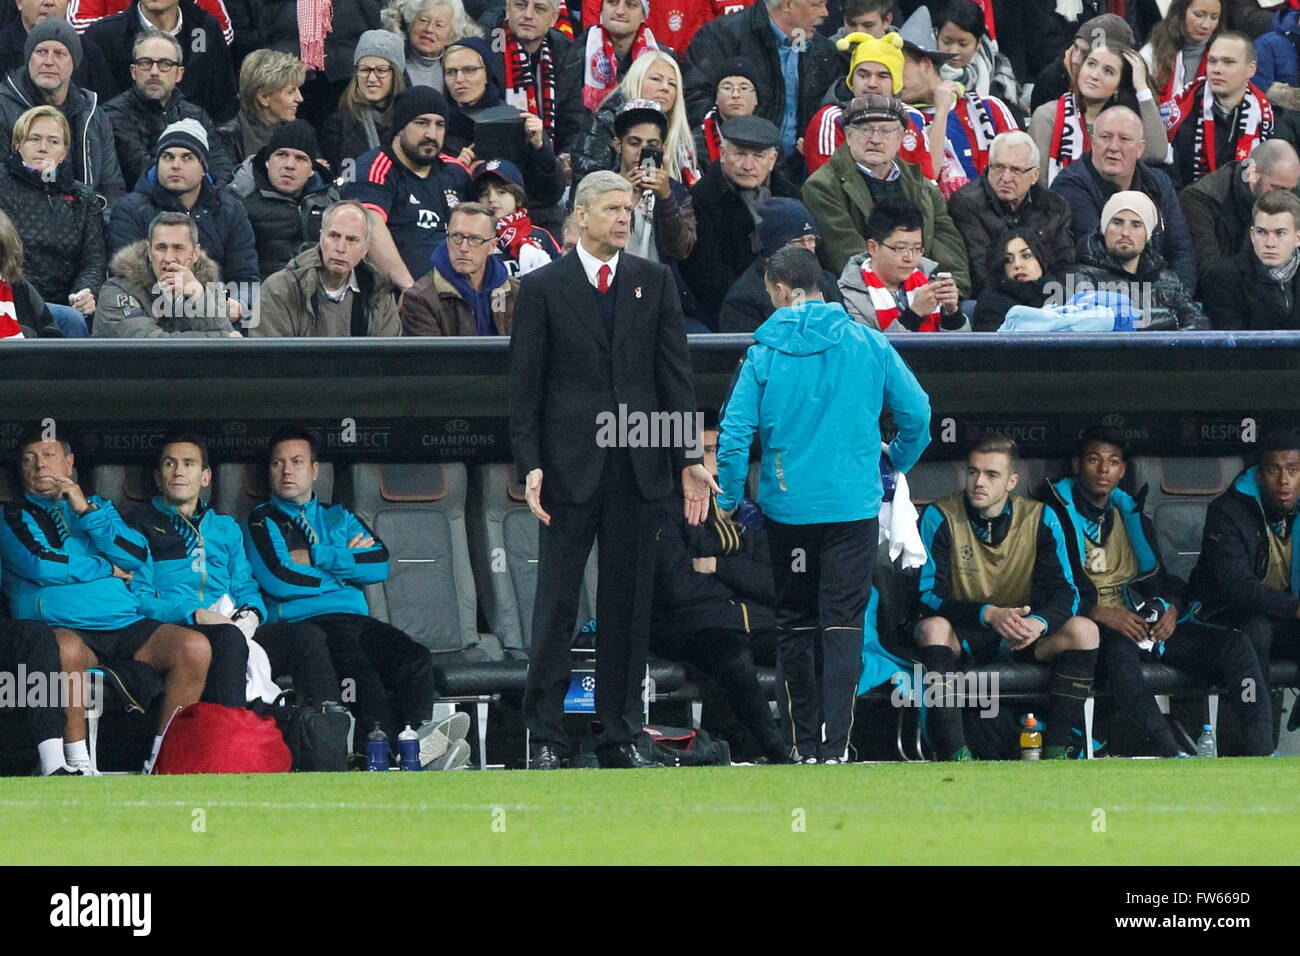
712 134
521 91
600 66
315 20
1070 138
1178 78
886 306
1254 122
9 327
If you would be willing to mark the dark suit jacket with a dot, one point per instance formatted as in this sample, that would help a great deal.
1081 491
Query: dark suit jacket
565 373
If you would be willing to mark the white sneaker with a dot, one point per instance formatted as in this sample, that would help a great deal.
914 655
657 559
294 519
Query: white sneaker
436 738
85 768
456 757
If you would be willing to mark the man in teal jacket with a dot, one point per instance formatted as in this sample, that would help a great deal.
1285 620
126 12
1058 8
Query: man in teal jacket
197 573
813 388
68 559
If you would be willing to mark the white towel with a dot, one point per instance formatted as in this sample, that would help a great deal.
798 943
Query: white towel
898 526
258 682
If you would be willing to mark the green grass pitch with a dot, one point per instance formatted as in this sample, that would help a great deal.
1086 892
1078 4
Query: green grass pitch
1105 812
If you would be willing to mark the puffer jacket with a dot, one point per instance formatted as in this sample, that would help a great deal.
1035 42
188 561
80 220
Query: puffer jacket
93 155
129 308
224 231
61 226
283 225
1158 292
812 388
139 121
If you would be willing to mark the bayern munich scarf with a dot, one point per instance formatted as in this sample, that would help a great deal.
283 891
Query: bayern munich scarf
521 92
713 134
9 327
315 20
600 65
1069 136
1254 122
886 306
1178 78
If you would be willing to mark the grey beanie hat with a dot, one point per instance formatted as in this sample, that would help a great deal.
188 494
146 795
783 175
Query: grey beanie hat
384 44
52 28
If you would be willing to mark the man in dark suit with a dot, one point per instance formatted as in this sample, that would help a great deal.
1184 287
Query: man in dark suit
602 404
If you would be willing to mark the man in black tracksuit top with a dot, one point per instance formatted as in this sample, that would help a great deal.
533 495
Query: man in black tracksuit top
1124 589
1248 574
996 585
713 602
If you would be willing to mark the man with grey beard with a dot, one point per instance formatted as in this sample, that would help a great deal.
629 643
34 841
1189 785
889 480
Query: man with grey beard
152 104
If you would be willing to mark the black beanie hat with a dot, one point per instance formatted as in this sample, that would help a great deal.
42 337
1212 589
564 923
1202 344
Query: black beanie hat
296 135
415 101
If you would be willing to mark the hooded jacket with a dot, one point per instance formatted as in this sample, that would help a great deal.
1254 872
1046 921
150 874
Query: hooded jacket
1227 584
838 197
1275 51
1239 293
171 584
334 581
290 304
812 388
283 226
224 231
1171 305
92 153
128 308
1077 520
857 300
58 566
61 225
138 122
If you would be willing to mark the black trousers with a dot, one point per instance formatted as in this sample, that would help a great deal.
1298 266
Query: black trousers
32 644
1272 639
823 582
302 651
1219 656
623 524
227 674
391 674
724 654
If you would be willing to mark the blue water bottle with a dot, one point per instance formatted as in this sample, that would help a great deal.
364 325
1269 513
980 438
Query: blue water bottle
377 750
408 749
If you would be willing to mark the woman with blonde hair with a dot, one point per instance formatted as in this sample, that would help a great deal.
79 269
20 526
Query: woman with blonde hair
366 104
653 76
428 27
269 97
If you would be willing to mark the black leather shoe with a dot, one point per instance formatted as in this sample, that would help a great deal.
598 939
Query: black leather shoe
625 756
546 757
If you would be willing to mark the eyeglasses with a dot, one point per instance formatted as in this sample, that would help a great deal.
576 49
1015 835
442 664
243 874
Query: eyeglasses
454 72
145 64
744 89
877 130
996 170
907 252
459 239
383 72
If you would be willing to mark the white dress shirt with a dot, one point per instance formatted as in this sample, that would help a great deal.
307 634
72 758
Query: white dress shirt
591 265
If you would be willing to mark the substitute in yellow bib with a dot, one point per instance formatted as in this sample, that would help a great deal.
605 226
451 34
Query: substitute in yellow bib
1136 605
997 584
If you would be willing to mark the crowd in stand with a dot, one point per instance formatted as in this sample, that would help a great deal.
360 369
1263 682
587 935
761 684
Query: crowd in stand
301 168
1079 165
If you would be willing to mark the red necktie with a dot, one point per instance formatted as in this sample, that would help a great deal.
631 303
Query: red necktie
602 278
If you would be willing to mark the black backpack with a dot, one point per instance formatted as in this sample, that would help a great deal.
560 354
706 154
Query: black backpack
683 747
318 734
